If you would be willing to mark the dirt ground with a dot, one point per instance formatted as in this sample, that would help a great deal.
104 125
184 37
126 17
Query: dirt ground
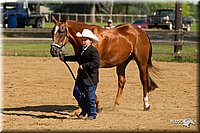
37 96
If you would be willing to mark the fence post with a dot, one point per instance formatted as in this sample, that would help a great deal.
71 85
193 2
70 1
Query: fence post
178 28
101 18
85 18
76 17
59 17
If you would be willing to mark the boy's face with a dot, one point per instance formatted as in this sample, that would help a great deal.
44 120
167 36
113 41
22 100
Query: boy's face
86 41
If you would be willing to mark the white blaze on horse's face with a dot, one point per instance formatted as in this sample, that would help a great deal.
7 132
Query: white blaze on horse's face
55 41
60 35
56 29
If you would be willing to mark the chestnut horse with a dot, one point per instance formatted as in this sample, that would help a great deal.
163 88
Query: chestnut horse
116 47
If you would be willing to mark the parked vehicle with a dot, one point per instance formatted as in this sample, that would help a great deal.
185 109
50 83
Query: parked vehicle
141 23
165 19
17 14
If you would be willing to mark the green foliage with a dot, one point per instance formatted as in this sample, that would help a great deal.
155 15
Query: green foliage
154 6
118 9
135 8
186 9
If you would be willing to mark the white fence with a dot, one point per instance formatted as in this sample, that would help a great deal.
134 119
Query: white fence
99 18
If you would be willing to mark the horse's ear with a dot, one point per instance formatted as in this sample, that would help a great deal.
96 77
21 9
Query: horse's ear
54 20
65 18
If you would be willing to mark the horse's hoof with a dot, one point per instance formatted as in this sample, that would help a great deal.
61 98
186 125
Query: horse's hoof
75 114
116 105
99 110
147 109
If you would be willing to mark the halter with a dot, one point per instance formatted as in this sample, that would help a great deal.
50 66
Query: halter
56 49
66 37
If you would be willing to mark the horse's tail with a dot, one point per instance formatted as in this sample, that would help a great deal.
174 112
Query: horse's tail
149 63
152 70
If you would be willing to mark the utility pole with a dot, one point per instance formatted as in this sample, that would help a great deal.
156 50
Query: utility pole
92 12
178 28
111 9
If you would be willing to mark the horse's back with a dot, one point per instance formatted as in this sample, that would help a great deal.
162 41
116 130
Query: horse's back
129 28
116 44
137 35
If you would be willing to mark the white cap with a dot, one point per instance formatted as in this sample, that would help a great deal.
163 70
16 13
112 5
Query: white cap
89 34
110 21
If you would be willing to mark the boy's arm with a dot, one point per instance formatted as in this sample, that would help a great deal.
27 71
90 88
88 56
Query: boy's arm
70 58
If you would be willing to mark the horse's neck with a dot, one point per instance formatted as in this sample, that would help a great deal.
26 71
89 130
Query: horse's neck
76 46
75 27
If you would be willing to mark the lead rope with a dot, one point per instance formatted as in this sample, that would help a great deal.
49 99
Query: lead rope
70 70
81 77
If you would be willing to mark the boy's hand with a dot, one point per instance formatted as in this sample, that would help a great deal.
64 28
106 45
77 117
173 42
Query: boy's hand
80 67
61 58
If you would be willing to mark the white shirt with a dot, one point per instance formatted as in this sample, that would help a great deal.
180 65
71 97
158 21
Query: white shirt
84 49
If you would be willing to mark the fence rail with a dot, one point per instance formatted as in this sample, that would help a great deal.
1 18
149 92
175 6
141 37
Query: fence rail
156 36
48 40
48 30
160 40
99 18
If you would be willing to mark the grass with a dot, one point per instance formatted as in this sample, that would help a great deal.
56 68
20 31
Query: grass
161 52
16 49
195 27
187 49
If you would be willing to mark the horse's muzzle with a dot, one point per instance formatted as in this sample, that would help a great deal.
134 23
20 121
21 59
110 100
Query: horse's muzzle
55 50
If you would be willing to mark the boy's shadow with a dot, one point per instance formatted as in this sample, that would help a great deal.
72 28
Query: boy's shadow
58 109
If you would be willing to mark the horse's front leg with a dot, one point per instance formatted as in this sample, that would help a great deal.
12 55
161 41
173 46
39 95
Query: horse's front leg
121 83
99 109
77 111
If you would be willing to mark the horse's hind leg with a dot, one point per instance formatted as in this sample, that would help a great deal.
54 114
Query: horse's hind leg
144 79
121 79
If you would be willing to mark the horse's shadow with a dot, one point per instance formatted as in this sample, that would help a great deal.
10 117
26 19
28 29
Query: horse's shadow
64 110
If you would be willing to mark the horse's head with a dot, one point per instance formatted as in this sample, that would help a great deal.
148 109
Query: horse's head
60 37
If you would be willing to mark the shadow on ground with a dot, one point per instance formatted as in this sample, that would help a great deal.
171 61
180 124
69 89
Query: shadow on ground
57 109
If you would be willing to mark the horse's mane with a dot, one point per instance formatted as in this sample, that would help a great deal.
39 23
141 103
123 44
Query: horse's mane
119 25
82 24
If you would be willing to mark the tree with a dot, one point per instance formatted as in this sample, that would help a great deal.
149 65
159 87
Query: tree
134 8
92 12
186 8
